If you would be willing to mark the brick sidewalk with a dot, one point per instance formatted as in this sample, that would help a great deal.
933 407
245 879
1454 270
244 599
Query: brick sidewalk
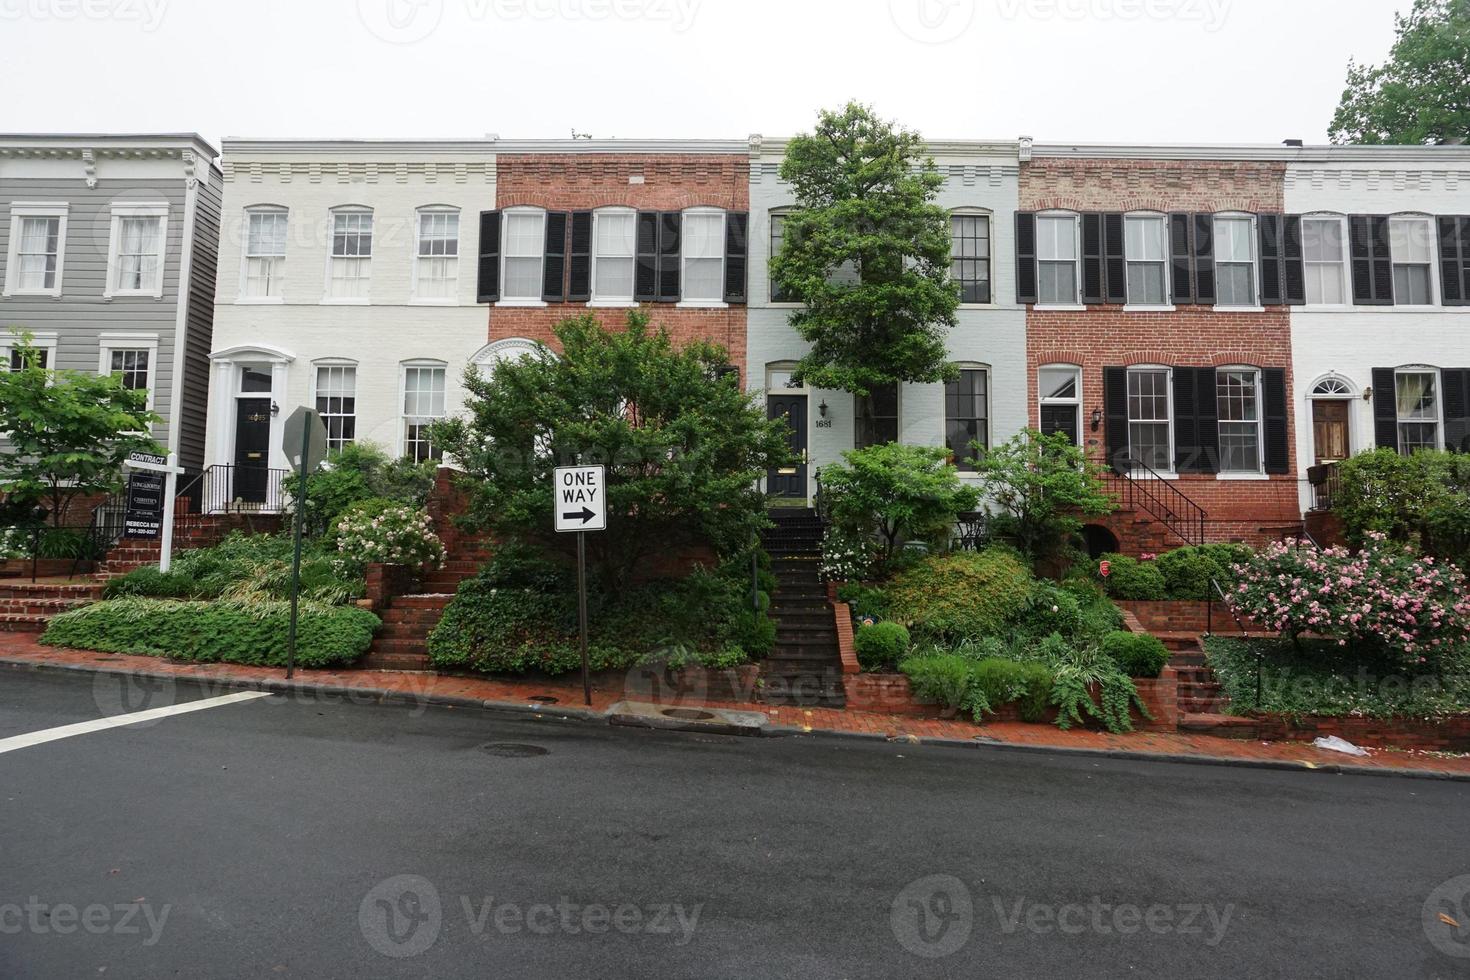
22 650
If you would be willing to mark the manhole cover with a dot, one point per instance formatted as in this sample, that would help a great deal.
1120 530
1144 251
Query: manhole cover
543 698
512 750
687 714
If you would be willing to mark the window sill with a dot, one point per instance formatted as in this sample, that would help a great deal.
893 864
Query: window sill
613 304
132 294
523 303
260 301
34 293
1241 476
1238 309
345 301
1326 308
979 306
1142 477
1142 308
1059 308
702 304
1415 307
784 305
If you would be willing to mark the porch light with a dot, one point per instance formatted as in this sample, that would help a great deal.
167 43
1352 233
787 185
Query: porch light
1096 419
275 409
822 408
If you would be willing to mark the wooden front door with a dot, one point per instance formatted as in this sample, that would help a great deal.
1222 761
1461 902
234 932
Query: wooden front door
1329 430
789 481
252 449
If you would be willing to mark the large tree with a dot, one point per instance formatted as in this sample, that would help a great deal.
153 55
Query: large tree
684 446
68 432
866 251
1422 93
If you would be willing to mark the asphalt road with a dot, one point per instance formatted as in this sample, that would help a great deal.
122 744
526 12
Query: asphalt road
296 838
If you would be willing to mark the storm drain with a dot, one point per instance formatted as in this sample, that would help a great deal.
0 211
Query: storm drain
542 698
688 714
512 750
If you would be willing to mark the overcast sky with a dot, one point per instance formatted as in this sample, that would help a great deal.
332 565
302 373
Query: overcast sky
1110 70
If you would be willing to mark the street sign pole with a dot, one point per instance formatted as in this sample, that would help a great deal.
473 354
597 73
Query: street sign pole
579 495
582 614
296 554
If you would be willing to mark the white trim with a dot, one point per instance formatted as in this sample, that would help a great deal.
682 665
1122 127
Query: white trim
149 209
402 416
1417 217
40 339
500 350
121 341
1438 402
1253 240
1260 421
35 209
699 302
1344 264
1076 401
613 304
632 258
1168 472
505 256
183 297
253 352
243 298
1063 308
524 303
1163 221
1076 219
1127 308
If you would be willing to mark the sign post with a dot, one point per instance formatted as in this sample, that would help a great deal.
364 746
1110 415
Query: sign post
304 440
149 512
581 506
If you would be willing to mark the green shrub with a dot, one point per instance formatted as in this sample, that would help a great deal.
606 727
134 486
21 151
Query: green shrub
1136 654
864 600
1098 616
211 632
881 646
247 567
944 679
357 472
1187 571
1000 682
1129 578
960 595
1049 609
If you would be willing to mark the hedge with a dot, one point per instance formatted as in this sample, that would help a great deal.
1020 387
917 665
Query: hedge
216 632
880 646
1136 654
962 595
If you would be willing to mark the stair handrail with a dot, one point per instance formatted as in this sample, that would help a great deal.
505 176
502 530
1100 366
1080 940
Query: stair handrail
1244 633
1186 519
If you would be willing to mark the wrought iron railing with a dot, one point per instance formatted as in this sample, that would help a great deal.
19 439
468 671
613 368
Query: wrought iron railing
230 489
1323 480
972 531
33 542
1158 498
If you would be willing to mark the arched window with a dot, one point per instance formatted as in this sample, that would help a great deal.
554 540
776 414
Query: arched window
1332 388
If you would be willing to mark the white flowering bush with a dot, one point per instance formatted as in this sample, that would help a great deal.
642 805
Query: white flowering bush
847 555
391 533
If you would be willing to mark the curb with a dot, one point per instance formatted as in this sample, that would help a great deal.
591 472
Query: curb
383 695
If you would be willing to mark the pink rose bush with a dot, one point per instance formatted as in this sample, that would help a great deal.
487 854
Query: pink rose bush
395 534
1385 595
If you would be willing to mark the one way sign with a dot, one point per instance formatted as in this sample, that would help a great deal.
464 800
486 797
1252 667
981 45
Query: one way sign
581 498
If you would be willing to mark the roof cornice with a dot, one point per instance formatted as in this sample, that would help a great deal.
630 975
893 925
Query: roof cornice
1270 152
118 144
246 147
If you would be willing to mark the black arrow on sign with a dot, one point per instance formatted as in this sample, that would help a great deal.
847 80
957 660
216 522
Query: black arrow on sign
586 515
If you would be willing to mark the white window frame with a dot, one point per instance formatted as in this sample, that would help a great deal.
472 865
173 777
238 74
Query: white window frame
783 367
327 298
1075 402
245 297
335 362
1260 423
40 339
989 258
110 341
157 210
1076 302
505 256
717 302
1252 239
605 299
20 210
1163 222
1168 420
1438 403
1344 264
403 368
418 259
1432 237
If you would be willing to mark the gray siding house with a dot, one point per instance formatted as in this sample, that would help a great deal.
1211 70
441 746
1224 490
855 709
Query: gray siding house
108 248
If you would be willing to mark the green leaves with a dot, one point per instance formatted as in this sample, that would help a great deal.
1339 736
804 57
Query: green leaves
1041 483
867 252
897 492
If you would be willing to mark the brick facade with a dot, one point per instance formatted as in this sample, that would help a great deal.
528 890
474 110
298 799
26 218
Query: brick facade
1101 336
653 182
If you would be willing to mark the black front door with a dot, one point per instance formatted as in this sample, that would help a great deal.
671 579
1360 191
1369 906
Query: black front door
789 481
252 448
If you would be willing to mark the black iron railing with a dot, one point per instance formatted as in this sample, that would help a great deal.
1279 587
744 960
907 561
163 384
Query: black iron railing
229 489
32 543
1140 487
1323 480
972 531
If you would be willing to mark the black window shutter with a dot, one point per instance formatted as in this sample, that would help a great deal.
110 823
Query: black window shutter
1372 260
1025 257
1204 259
1277 452
645 271
487 283
1115 273
1385 409
736 226
1272 254
1181 271
1207 415
553 279
670 223
1456 386
1187 397
1092 258
1454 257
579 282
1115 411
1294 272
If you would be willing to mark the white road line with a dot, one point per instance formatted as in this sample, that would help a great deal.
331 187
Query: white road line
120 721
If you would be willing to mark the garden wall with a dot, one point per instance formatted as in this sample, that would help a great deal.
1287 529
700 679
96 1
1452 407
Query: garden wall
1183 615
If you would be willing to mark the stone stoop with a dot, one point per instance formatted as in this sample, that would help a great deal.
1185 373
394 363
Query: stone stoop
25 607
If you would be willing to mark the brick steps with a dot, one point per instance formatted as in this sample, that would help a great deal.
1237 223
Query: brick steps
805 667
26 607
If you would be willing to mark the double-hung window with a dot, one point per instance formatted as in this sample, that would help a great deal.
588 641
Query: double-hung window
336 401
423 402
1060 390
42 358
1323 246
1235 261
131 367
436 270
967 415
37 247
1147 258
703 245
135 256
352 254
1411 242
778 235
1056 259
524 245
1416 400
969 256
1149 420
614 236
876 417
1238 403
265 252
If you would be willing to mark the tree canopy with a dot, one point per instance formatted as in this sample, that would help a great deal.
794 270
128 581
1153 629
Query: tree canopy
866 251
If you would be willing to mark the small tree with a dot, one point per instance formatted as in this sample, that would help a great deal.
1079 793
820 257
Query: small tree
684 446
1041 483
867 251
68 432
1422 93
896 492
357 472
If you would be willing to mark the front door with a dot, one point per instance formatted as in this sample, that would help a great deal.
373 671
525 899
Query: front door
789 481
252 448
1329 430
